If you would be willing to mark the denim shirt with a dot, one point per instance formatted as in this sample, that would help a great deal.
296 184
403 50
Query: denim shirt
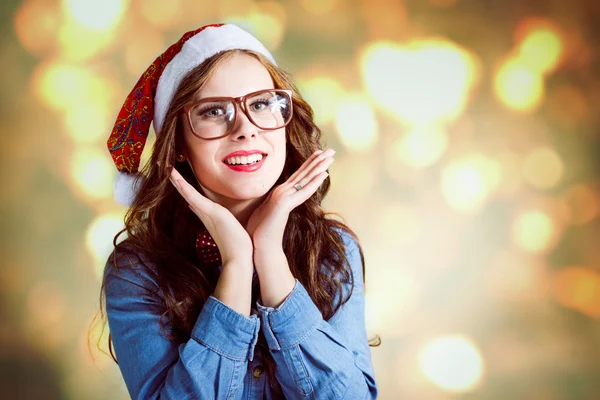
316 359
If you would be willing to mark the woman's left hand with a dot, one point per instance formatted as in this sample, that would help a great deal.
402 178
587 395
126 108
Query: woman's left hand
267 223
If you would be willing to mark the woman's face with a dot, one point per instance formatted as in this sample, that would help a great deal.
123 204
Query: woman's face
236 76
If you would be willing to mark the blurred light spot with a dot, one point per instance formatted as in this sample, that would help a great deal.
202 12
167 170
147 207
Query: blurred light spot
96 14
99 239
323 94
318 7
579 288
79 43
88 122
62 86
142 50
466 183
268 28
46 304
518 87
160 13
36 25
582 203
356 124
533 231
453 363
422 146
422 82
93 171
391 293
541 47
543 168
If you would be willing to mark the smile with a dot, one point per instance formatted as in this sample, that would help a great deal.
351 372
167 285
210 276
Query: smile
247 168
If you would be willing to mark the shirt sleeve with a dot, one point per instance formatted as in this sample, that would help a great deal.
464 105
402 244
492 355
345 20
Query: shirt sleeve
317 358
153 367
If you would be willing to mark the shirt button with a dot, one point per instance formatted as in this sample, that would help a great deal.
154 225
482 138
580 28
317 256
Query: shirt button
258 371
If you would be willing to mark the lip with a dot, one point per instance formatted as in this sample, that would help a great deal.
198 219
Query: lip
241 153
247 168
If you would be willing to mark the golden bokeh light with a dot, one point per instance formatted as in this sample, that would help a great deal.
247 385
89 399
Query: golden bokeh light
61 86
356 123
268 25
78 43
578 288
101 15
543 168
518 86
534 231
453 363
324 94
468 181
582 204
162 14
541 46
385 307
422 82
99 238
89 121
36 25
93 172
422 146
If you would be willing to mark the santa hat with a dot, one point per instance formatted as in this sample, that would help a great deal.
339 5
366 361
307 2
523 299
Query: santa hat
150 98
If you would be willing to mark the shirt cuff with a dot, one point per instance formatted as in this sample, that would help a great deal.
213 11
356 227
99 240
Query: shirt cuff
217 322
290 323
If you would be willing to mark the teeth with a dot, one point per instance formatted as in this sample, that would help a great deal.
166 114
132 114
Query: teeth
244 160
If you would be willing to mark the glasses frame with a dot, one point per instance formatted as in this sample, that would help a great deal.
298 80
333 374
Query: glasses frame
241 101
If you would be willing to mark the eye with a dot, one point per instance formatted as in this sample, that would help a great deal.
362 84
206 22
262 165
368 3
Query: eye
211 112
259 105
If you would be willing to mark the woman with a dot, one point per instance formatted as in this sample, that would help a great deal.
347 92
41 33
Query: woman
231 283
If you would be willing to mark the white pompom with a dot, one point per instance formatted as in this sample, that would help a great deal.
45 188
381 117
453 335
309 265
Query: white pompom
125 188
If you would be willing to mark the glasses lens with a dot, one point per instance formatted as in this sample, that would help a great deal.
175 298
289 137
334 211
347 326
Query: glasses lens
212 119
270 110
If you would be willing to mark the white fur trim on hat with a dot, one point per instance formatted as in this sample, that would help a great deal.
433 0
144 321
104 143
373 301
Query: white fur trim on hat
196 50
125 188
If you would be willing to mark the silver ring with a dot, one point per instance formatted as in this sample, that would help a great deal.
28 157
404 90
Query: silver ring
298 186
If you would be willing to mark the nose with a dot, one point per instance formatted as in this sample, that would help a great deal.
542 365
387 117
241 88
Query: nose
243 126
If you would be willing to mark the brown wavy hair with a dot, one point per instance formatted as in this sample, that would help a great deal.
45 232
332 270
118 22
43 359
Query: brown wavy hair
160 225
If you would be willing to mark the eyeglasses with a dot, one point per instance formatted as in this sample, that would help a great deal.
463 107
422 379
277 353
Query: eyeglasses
214 117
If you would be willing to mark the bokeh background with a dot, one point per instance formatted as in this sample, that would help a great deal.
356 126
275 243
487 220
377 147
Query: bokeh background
467 162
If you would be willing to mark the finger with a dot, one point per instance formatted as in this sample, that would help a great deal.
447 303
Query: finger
305 164
300 196
188 192
316 170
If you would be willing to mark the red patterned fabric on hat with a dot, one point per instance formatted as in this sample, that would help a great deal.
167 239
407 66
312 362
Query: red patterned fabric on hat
130 131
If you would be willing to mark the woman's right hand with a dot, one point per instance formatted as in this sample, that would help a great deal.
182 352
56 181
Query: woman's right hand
233 241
